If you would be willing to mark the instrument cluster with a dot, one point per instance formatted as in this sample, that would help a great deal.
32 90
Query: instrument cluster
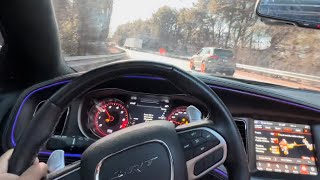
105 111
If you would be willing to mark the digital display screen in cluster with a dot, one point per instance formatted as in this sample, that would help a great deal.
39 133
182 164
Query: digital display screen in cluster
143 109
284 148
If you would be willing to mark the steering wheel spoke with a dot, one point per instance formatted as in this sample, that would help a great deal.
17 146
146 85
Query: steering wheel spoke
203 147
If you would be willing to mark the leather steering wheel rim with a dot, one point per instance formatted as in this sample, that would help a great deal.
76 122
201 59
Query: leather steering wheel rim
46 119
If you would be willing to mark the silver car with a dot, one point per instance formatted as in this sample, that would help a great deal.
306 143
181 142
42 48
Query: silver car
214 60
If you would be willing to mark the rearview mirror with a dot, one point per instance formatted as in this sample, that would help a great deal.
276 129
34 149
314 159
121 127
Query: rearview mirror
303 13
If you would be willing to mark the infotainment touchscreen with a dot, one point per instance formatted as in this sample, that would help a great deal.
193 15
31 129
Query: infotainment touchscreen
284 148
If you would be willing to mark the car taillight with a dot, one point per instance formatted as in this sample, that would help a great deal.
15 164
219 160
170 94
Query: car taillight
214 57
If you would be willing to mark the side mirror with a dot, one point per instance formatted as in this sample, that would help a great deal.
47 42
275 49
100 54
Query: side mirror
303 13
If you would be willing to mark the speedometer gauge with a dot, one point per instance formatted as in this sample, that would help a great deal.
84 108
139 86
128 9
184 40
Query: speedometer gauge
179 116
108 116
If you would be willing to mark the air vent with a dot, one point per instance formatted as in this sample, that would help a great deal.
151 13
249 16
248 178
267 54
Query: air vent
241 124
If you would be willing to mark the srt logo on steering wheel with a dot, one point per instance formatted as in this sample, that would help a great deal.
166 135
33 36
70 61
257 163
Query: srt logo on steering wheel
136 168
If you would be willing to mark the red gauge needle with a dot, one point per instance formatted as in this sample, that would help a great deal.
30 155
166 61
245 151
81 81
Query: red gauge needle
110 118
175 122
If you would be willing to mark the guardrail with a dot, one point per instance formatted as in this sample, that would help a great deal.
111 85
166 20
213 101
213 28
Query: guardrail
85 60
85 63
279 73
282 74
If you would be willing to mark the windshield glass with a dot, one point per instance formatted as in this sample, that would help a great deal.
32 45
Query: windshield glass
211 37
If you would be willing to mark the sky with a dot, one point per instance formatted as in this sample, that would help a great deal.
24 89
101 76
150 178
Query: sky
129 10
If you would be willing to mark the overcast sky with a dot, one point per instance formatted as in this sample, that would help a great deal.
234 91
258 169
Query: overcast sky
129 10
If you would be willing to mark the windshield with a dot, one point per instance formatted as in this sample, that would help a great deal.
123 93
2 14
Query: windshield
210 37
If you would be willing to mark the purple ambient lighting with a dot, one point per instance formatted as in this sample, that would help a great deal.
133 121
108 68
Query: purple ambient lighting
266 97
222 173
145 77
19 111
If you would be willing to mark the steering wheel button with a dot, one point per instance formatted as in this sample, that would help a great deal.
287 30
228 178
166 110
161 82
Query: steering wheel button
213 158
188 154
192 134
207 135
186 144
197 141
199 167
200 149
212 143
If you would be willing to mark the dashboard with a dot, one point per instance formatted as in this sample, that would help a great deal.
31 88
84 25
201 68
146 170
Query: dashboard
105 111
281 134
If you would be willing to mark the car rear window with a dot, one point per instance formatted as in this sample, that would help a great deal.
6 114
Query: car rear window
223 53
205 51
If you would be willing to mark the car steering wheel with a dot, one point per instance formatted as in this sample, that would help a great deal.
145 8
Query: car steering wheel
150 150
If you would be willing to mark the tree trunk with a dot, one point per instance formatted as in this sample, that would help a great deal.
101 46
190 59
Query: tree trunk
251 39
229 29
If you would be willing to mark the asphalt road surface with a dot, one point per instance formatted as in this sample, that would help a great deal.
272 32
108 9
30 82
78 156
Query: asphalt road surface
184 64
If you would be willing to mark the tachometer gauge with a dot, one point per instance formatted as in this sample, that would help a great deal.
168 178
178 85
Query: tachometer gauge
108 116
179 116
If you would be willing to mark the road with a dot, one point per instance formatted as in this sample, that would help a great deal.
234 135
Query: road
183 64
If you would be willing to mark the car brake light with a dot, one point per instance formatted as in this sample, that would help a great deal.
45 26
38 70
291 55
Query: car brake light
214 57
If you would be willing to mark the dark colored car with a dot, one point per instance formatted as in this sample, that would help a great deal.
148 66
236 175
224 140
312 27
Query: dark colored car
214 60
